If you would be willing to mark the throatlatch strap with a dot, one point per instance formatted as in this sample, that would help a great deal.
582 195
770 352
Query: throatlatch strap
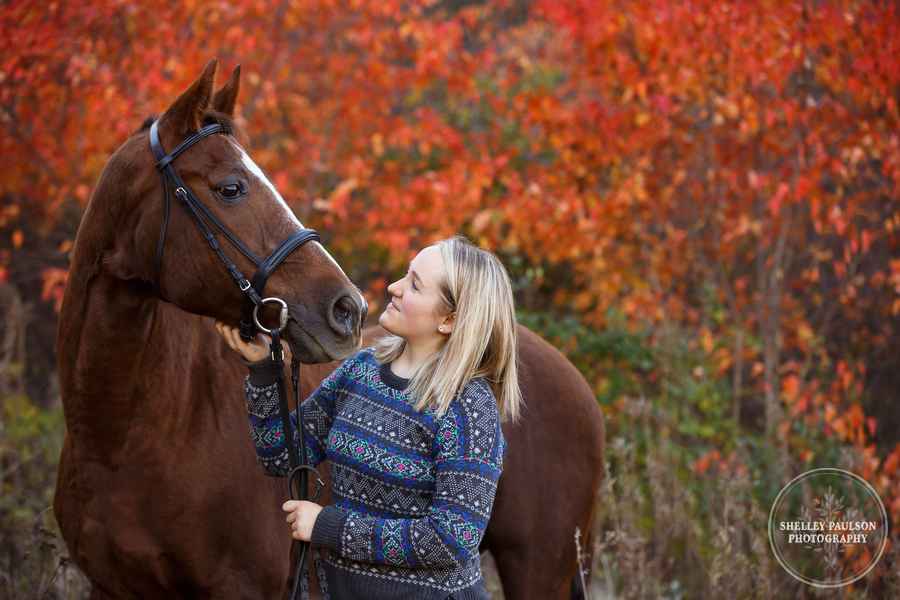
162 238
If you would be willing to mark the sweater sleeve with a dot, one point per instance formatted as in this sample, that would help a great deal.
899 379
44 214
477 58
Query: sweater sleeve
266 428
469 449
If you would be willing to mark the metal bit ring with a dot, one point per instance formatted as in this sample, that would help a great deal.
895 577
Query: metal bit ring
283 315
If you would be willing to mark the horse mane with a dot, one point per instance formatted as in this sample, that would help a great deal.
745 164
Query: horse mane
210 118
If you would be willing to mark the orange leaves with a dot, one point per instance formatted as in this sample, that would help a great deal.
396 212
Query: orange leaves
892 462
340 196
790 389
54 285
851 425
732 165
774 203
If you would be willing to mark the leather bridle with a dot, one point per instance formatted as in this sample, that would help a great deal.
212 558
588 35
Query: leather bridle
195 208
253 302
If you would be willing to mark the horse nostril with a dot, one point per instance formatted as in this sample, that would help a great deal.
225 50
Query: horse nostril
342 310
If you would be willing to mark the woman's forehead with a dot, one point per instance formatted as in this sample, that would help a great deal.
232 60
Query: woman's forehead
429 263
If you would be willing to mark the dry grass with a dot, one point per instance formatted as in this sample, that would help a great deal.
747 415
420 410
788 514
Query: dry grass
669 533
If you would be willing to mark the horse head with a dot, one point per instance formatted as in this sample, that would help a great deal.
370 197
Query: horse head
325 311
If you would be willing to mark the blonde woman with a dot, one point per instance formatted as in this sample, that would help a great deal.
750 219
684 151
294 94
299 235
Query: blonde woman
411 430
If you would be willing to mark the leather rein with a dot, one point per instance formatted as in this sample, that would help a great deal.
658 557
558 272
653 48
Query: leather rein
252 303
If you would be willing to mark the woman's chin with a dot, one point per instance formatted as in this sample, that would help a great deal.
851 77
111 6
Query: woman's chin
384 321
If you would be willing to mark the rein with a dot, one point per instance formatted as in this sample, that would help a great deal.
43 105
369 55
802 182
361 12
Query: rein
253 302
298 467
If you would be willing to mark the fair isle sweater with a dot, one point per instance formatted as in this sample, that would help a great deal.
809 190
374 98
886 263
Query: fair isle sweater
412 492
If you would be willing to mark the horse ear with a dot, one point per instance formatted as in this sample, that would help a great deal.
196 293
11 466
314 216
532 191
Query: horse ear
226 98
186 113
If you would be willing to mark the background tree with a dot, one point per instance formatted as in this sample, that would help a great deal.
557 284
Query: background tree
697 200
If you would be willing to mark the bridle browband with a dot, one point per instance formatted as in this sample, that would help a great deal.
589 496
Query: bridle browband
253 289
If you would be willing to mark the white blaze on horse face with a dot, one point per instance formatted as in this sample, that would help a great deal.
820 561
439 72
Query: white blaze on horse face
290 218
362 299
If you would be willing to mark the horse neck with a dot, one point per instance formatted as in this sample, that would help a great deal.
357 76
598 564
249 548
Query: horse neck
124 356
125 359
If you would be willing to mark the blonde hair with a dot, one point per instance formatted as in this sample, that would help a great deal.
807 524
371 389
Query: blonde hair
483 342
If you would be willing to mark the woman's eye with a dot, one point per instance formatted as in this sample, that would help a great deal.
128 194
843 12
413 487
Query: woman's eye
230 191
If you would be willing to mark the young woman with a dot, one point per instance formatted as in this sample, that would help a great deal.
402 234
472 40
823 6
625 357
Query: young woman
411 430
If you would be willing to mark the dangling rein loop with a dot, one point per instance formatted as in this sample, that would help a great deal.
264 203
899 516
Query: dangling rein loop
298 467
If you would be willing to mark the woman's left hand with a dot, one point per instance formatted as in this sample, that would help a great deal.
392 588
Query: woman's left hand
302 517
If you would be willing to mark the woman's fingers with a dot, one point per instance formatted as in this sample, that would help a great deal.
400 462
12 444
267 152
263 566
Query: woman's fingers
252 352
227 334
290 507
302 517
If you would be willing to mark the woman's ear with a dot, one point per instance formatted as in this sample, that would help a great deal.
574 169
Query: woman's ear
447 325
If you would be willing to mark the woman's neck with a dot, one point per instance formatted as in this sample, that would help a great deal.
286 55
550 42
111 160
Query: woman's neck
411 357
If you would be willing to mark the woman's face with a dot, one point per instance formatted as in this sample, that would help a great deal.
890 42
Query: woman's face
413 313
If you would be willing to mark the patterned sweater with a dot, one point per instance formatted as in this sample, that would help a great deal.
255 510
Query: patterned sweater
412 492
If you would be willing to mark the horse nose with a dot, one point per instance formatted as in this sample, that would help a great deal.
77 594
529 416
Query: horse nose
348 314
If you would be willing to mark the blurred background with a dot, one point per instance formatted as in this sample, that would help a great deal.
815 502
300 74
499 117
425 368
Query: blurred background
697 201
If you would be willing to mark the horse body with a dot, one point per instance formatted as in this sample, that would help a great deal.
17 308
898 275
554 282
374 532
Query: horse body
158 492
551 477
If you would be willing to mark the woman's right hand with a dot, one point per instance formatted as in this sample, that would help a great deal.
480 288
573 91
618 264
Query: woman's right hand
252 351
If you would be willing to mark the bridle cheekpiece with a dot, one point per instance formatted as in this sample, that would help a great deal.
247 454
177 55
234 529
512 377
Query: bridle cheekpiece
195 208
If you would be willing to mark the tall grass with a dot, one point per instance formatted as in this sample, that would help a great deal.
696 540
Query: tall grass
670 531
684 505
33 560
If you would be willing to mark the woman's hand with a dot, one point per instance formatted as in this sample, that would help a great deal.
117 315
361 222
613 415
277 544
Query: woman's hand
252 351
302 517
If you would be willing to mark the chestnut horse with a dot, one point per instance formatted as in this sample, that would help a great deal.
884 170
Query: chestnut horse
158 492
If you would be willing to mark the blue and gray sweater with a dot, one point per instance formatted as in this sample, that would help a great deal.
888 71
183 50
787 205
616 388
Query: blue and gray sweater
412 492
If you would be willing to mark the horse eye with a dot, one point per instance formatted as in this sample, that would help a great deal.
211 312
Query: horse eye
230 191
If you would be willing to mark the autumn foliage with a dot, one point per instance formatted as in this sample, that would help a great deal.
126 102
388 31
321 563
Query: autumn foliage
721 177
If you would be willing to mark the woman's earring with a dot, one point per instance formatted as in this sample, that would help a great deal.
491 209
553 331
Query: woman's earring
441 329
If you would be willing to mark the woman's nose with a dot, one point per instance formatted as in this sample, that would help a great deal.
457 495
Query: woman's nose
394 289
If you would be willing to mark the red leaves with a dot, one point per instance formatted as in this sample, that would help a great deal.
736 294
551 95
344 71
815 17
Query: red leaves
54 285
774 203
667 157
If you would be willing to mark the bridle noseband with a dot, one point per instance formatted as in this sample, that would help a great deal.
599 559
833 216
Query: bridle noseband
254 288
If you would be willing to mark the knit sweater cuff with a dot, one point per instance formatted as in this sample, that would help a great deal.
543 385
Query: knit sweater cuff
262 372
326 532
